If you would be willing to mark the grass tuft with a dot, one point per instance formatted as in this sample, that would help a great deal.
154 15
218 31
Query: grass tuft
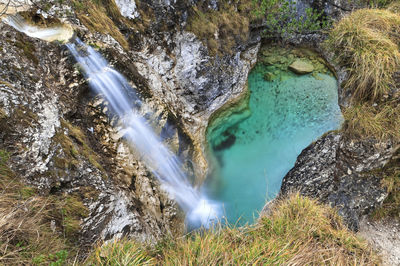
366 42
380 121
221 30
298 231
391 181
102 16
26 234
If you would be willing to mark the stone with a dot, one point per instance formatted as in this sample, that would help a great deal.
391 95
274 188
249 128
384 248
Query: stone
301 67
269 76
339 171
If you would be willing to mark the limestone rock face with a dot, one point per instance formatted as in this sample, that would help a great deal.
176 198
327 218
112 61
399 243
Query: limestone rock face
301 67
128 8
339 171
63 139
60 140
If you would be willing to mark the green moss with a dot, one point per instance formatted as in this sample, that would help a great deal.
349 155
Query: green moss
27 192
74 145
28 49
73 212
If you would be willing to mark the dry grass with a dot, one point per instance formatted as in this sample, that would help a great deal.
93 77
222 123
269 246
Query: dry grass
394 7
366 42
221 31
381 121
299 231
102 16
35 229
391 181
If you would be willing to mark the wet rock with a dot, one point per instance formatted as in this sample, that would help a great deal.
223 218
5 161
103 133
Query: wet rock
301 67
62 142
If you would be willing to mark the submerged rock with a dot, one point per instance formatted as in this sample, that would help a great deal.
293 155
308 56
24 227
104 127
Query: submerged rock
301 67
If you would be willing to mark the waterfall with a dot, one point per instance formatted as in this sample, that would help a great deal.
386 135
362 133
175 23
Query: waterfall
123 101
165 165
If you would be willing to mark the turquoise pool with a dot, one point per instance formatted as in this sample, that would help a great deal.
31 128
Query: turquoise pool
252 150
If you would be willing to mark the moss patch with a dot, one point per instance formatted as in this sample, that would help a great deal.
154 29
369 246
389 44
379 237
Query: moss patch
27 48
74 145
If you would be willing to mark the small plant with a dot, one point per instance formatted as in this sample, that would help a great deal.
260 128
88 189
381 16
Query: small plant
282 19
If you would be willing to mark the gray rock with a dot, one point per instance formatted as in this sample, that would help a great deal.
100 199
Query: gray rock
337 171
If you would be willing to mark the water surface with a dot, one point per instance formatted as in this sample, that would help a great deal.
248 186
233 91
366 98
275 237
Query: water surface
253 150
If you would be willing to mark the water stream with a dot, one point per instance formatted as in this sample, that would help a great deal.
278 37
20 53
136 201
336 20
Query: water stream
125 104
255 148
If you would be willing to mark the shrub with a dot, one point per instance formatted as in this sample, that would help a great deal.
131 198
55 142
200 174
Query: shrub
366 43
298 231
282 18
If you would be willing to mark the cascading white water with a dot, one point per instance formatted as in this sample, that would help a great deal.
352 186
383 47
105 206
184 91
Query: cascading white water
164 164
115 89
60 33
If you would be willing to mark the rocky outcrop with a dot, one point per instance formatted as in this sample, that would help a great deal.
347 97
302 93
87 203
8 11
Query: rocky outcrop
61 136
60 141
339 171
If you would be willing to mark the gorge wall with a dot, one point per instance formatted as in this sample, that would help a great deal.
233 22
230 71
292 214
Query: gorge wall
61 141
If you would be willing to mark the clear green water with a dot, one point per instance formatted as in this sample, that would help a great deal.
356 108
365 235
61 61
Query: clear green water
254 149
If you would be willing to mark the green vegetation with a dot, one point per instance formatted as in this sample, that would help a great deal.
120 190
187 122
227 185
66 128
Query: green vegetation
366 43
281 18
297 231
74 144
27 48
378 3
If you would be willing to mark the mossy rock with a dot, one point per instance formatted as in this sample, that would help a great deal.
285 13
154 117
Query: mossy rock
268 76
301 67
